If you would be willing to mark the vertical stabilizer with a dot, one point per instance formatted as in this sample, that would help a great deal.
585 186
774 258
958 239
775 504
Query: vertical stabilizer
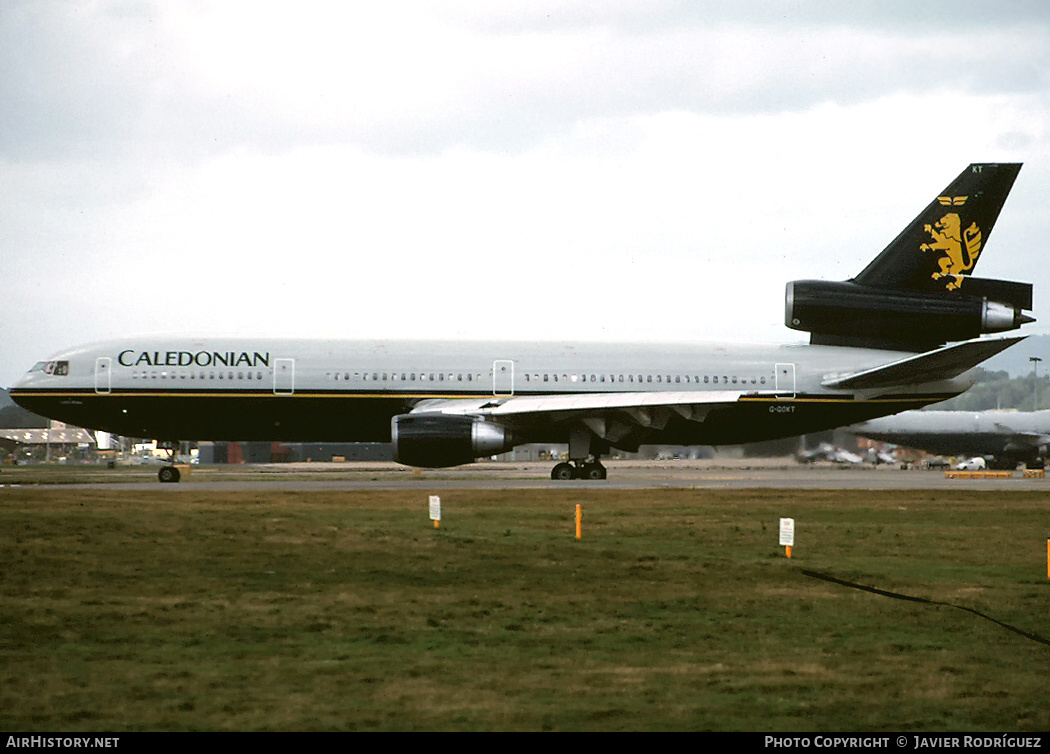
944 242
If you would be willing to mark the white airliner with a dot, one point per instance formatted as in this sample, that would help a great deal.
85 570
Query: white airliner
1004 439
877 348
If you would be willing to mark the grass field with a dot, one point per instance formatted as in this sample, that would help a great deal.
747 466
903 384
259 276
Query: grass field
195 610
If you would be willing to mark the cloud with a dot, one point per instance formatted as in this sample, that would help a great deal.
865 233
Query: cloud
187 80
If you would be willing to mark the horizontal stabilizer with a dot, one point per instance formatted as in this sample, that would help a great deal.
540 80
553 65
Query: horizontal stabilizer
942 364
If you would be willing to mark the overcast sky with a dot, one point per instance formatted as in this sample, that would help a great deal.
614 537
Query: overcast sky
550 170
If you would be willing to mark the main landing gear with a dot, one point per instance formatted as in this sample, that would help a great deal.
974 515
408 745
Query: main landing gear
584 457
579 470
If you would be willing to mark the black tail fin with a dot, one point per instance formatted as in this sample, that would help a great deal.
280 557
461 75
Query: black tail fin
944 242
918 293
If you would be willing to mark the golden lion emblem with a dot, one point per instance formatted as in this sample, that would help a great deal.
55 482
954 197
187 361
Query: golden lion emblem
959 249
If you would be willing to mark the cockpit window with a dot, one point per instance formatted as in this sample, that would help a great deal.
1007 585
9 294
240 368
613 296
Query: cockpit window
57 368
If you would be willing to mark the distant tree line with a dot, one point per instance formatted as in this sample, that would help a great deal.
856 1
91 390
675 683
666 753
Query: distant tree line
13 416
999 390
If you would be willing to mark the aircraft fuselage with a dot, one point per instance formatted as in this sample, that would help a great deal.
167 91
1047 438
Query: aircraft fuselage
322 390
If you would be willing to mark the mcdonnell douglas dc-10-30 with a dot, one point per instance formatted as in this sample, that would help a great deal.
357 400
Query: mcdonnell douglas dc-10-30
877 347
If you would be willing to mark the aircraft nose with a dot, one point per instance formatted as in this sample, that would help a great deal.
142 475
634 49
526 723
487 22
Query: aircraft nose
22 381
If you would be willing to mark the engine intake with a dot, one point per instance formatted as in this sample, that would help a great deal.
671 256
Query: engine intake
838 311
439 440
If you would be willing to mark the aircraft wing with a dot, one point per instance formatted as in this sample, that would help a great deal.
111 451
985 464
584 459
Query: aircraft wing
939 364
1020 438
691 404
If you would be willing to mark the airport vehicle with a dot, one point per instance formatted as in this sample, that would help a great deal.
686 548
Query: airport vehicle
877 347
1004 438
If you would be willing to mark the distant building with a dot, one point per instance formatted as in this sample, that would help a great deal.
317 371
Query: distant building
292 452
57 441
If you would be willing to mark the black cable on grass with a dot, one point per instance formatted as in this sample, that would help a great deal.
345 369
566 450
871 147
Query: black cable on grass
896 596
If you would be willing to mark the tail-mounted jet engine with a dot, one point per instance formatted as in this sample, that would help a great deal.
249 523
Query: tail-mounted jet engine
438 440
846 313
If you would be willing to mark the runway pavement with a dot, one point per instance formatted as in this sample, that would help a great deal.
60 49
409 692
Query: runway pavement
677 474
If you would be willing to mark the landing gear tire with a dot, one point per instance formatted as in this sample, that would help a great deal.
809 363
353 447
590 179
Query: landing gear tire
563 472
168 474
593 471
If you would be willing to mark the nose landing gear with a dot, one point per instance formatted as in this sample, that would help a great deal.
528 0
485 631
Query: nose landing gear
170 474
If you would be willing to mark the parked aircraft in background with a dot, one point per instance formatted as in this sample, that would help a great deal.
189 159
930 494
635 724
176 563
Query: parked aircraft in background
875 457
877 347
828 452
1005 438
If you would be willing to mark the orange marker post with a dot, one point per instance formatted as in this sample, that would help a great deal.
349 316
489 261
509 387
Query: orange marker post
579 522
1048 559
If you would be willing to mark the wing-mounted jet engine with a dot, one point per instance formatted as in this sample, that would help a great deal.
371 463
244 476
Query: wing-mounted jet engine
439 440
918 293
